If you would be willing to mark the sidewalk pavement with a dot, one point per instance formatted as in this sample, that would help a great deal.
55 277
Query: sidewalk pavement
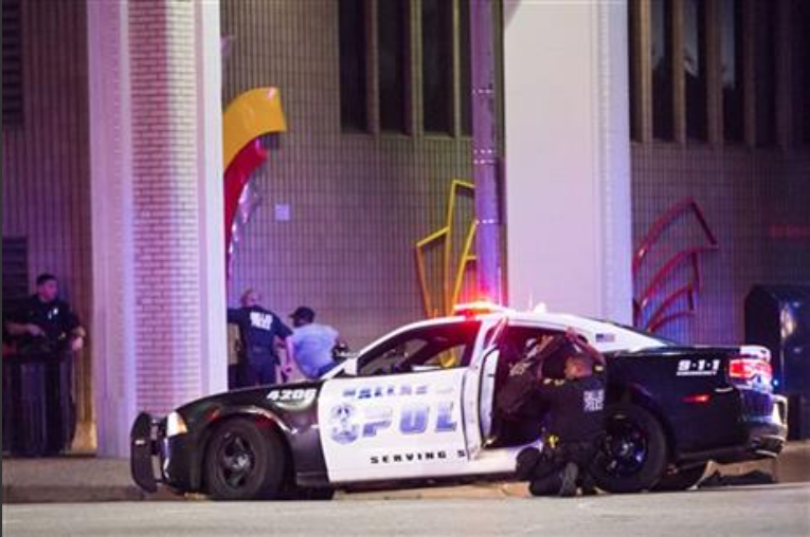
83 478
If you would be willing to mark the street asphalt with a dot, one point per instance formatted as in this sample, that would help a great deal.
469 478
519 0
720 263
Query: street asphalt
781 510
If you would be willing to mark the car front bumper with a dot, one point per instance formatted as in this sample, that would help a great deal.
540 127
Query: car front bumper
143 450
156 459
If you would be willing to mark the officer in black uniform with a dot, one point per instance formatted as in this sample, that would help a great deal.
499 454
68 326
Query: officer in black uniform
575 425
259 331
45 333
44 323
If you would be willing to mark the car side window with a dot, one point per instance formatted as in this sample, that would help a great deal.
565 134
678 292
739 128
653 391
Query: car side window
422 349
522 341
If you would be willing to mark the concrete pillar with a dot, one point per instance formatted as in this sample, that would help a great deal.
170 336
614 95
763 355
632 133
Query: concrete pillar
112 325
156 180
568 206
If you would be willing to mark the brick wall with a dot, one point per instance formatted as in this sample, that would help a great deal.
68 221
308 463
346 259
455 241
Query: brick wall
755 196
358 202
166 243
45 160
744 193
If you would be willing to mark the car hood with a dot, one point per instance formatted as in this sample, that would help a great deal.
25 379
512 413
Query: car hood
278 399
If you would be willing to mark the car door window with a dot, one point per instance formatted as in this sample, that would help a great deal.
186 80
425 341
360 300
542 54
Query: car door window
522 341
422 349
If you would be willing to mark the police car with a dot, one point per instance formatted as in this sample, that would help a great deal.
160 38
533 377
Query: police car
419 406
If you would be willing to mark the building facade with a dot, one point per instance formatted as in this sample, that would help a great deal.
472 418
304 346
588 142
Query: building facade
613 113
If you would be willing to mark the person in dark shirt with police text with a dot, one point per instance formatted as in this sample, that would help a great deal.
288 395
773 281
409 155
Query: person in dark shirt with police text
575 425
46 330
45 323
260 330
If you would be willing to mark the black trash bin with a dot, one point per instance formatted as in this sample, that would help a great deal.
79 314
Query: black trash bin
40 419
778 317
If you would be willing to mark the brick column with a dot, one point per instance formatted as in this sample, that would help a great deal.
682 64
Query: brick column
166 212
167 167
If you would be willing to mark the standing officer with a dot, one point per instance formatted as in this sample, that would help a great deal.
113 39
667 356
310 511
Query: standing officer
47 333
259 330
45 323
576 424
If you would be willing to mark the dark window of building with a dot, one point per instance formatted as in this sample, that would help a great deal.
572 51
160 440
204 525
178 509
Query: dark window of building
15 273
632 35
12 63
801 43
465 68
765 71
694 66
732 69
392 26
661 57
353 104
437 65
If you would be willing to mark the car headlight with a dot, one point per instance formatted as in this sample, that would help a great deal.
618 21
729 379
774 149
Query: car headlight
175 425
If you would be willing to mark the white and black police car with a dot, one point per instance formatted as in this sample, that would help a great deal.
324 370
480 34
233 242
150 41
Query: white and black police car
419 407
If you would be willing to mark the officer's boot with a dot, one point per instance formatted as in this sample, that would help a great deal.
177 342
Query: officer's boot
569 480
587 485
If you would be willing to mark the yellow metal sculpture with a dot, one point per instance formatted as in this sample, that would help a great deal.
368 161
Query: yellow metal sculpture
451 285
250 115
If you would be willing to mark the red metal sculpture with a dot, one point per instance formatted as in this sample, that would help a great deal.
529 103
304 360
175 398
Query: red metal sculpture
688 292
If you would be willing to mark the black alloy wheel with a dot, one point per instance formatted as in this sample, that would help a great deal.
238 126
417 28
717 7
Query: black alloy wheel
236 460
634 451
244 461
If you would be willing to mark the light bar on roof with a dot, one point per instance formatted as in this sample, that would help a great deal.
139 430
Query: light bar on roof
478 307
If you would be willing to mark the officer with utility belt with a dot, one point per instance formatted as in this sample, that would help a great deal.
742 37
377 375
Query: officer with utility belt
575 424
260 331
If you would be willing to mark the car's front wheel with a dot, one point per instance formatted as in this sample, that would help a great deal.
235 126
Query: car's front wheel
244 461
634 453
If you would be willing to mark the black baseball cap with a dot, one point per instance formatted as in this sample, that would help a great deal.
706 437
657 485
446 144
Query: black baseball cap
303 313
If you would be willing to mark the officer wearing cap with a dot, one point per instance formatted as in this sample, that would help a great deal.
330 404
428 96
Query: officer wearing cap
312 343
259 331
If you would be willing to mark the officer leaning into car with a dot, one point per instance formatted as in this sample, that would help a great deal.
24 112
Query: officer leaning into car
575 425
260 331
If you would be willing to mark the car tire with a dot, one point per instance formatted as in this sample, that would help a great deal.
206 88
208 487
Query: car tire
682 479
244 461
633 455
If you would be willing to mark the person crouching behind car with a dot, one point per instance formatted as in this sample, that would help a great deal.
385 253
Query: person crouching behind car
311 344
575 426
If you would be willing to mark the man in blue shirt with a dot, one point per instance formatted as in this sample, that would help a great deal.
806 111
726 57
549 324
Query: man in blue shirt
312 343
259 329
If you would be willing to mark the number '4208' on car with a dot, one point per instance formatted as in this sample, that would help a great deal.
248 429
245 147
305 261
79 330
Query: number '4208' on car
419 406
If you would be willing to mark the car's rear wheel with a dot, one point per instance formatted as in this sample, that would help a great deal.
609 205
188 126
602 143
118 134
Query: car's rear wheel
634 453
244 461
681 479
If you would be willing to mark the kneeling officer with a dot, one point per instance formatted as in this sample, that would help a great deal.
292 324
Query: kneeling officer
575 426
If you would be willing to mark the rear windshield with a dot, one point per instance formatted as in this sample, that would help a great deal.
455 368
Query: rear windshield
662 340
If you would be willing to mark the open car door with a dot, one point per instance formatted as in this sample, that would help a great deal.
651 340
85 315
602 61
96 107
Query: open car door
478 391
